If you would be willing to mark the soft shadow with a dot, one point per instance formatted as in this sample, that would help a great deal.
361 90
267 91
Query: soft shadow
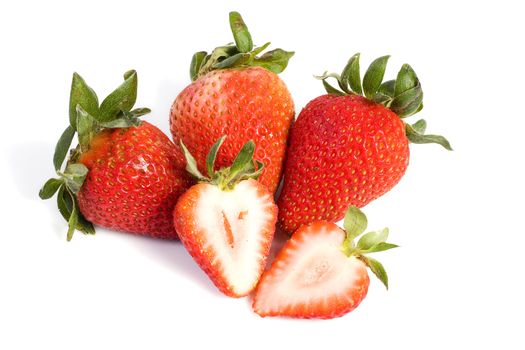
279 239
30 165
173 255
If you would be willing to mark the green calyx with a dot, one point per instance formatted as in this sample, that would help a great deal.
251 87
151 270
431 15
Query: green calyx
242 168
86 119
403 95
355 224
239 54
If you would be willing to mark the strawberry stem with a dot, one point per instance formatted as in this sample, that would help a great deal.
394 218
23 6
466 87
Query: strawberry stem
242 168
242 54
403 96
355 223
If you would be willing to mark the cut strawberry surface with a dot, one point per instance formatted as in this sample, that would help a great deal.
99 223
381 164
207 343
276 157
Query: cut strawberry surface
320 272
227 222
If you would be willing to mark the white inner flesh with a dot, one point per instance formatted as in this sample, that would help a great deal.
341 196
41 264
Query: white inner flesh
316 270
247 214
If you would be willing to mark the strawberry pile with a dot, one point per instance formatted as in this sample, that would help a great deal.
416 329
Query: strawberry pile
234 142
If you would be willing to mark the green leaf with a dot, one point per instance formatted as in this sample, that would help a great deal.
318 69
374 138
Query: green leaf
380 98
87 127
249 172
124 120
408 102
121 99
218 54
130 73
85 226
62 146
355 222
370 239
243 168
196 63
274 60
232 61
374 76
351 75
243 39
74 176
416 137
139 112
191 163
331 90
243 160
337 77
420 126
50 187
406 80
385 93
212 154
81 94
257 173
377 268
387 88
259 49
379 247
64 203
73 218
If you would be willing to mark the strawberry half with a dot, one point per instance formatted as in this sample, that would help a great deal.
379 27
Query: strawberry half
321 272
227 221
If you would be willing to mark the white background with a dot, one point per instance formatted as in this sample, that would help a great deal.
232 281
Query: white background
457 280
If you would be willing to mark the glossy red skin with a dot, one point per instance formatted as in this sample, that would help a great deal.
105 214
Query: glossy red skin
133 181
343 150
192 236
243 104
333 305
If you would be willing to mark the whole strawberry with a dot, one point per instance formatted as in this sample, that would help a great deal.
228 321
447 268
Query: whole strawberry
237 93
349 149
123 174
227 220
321 272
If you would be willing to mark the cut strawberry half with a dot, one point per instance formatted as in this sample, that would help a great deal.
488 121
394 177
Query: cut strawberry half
321 272
227 221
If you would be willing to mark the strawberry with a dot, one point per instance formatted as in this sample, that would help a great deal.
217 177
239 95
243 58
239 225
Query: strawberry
349 149
123 174
227 221
236 92
321 272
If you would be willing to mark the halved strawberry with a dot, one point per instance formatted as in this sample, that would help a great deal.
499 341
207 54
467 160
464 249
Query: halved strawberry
227 221
320 272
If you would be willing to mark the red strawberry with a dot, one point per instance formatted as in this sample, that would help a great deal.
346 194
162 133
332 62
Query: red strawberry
347 149
320 272
123 174
236 93
227 221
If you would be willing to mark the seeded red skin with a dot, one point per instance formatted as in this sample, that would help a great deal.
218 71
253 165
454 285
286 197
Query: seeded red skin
333 306
244 104
193 237
343 150
133 181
